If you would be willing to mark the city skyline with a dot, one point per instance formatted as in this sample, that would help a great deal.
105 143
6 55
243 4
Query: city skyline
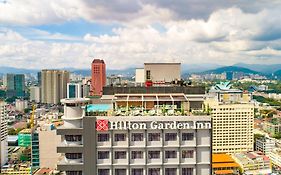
57 34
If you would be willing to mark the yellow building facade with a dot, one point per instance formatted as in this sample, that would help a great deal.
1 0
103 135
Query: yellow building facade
232 126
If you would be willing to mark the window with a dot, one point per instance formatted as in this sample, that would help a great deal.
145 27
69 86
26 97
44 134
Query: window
73 138
137 155
103 155
119 137
187 154
170 136
153 136
170 154
170 171
73 172
154 154
120 154
73 155
103 137
187 171
120 171
187 136
103 171
154 171
137 171
137 137
148 76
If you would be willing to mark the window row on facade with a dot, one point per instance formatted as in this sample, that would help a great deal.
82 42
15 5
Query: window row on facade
154 154
150 171
105 137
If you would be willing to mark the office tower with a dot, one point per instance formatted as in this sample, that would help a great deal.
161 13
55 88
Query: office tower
233 120
77 90
98 76
229 76
134 134
35 94
162 72
3 134
53 85
74 90
15 85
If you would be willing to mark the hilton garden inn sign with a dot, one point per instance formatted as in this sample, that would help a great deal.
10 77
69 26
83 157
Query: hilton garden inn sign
105 125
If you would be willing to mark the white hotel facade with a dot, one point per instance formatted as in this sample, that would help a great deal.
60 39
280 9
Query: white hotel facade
105 144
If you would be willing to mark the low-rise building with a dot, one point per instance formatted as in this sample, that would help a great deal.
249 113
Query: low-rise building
21 169
224 164
21 105
46 171
253 163
265 145
272 126
24 138
275 157
35 94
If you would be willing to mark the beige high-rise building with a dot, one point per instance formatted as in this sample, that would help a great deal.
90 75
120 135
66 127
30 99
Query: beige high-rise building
232 126
53 85
232 117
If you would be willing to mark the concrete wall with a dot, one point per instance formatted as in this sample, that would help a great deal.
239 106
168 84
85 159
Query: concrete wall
166 72
48 142
139 76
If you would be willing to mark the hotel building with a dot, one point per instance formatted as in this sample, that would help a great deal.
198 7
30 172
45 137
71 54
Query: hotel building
134 134
233 119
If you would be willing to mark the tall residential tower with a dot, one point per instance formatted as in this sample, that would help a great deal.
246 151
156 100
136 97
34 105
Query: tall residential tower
53 85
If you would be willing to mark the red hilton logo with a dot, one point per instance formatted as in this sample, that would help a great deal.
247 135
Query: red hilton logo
102 125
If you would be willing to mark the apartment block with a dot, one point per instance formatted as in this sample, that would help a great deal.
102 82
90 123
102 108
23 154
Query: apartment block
53 85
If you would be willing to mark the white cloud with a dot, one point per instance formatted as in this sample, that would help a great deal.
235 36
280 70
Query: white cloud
228 36
34 12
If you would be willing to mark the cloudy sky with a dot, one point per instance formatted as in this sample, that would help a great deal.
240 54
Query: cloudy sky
126 33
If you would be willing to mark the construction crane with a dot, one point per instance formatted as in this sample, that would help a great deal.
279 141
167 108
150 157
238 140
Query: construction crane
267 114
32 116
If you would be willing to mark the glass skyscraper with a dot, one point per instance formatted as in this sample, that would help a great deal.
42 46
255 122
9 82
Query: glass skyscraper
15 85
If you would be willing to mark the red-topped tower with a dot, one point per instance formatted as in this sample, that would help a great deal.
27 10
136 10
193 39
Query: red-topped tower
98 76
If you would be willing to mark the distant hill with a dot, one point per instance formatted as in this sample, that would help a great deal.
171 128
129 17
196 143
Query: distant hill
6 70
195 68
264 68
278 74
84 72
231 69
